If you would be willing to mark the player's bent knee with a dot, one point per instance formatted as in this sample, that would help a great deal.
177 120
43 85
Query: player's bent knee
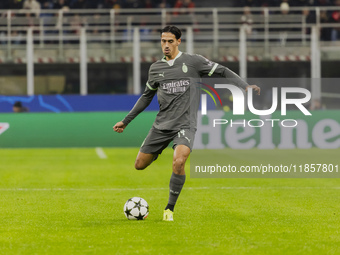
143 160
179 163
139 165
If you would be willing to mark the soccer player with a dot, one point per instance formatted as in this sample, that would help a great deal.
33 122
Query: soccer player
171 79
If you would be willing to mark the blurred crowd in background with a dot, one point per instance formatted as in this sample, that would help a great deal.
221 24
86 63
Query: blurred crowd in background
100 79
293 3
117 4
326 34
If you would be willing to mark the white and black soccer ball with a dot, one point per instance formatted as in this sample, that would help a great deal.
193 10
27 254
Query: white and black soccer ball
136 208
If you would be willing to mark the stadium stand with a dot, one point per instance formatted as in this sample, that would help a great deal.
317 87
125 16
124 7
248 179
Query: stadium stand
277 31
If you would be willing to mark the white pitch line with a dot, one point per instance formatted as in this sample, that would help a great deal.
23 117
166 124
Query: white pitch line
101 153
164 188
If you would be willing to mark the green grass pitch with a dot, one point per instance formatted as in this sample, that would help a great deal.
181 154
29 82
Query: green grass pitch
69 201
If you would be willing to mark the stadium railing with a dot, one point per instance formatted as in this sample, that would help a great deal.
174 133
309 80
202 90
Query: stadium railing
112 30
99 36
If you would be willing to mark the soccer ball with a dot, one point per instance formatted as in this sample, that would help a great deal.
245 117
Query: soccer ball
136 208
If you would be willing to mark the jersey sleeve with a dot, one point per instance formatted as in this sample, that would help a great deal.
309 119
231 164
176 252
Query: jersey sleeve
144 101
207 67
151 83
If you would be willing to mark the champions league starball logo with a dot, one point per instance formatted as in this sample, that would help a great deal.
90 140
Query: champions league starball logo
239 105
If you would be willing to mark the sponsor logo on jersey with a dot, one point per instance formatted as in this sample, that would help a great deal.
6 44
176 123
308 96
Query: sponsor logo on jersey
175 86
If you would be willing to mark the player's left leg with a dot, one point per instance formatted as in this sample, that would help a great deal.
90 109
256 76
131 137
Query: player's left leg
181 154
177 180
183 144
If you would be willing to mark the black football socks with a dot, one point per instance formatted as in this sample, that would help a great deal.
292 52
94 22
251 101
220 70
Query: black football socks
176 184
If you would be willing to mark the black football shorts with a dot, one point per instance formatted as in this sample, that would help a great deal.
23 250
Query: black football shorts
157 140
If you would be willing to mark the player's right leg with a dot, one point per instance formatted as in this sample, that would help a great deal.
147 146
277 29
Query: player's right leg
143 160
155 142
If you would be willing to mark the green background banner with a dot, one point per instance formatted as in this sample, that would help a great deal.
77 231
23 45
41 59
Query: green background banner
73 130
95 129
321 129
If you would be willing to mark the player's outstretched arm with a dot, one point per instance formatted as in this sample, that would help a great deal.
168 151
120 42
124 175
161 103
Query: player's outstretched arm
140 106
119 127
255 88
208 67
235 79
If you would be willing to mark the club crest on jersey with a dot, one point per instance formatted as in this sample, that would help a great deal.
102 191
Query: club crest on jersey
184 68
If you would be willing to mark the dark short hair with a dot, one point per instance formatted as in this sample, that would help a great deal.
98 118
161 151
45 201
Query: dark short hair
17 104
173 30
